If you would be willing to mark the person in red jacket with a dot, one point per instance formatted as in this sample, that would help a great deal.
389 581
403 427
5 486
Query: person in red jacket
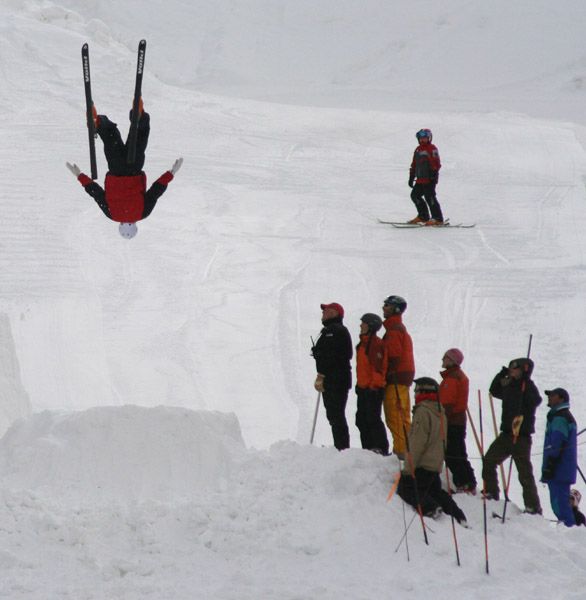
125 198
371 365
400 373
453 393
423 176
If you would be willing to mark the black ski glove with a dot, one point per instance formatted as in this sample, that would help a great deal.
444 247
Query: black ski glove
505 377
411 181
548 471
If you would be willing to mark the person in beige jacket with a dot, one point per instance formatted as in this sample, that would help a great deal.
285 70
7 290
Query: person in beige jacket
420 482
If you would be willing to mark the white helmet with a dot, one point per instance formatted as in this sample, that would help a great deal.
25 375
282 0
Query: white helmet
128 230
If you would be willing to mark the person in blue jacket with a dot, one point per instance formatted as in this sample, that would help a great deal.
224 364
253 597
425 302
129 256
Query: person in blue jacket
560 462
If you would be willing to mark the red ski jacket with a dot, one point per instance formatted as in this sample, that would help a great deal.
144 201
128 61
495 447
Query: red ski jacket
453 393
126 199
401 364
426 164
371 362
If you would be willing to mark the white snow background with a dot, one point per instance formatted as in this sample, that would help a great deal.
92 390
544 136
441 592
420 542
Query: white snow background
156 395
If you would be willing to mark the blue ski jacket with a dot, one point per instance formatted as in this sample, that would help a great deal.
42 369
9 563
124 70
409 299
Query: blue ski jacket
560 461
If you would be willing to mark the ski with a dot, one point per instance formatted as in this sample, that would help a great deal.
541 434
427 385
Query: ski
407 225
85 63
133 133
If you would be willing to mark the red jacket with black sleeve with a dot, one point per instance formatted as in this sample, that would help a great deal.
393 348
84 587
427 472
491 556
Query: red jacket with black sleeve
426 164
126 199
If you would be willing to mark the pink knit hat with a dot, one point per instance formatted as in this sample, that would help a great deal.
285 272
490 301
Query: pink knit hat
455 355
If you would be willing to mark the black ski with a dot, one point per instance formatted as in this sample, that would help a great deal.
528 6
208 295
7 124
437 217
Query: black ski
133 133
407 225
85 62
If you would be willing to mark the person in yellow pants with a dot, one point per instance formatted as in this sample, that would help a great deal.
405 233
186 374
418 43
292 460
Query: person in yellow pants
398 416
400 373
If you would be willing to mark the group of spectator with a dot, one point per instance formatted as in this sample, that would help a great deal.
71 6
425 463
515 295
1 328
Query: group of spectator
385 372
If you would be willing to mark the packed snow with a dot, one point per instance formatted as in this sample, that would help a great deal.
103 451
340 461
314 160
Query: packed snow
157 397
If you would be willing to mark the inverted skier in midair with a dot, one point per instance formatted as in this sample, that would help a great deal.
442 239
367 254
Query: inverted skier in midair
125 197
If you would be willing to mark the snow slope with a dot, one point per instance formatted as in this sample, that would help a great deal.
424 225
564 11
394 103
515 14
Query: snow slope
296 123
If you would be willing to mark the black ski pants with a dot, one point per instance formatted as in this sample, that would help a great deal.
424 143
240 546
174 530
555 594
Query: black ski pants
457 457
429 492
373 433
425 200
335 404
115 149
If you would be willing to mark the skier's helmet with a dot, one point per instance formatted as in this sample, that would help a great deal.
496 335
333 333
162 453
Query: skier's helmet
424 133
128 230
373 321
397 303
426 384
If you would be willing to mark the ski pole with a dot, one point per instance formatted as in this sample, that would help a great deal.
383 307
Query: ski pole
405 535
444 444
581 474
516 427
473 429
483 484
407 527
315 417
410 462
496 433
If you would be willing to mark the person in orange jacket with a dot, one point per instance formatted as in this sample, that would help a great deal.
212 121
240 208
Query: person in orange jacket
371 365
453 393
400 373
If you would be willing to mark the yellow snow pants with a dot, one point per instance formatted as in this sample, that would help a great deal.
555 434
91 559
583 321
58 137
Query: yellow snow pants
398 416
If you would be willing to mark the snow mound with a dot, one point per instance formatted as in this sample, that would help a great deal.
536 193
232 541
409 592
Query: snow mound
128 453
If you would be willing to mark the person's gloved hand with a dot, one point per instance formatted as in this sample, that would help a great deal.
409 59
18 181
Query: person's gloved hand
505 376
411 181
319 383
516 425
176 165
74 169
434 177
548 471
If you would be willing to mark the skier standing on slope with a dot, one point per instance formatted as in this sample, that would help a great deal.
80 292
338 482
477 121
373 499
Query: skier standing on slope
560 461
124 197
371 365
332 353
453 393
520 397
400 372
423 176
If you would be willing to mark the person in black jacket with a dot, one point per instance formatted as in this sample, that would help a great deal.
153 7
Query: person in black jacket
520 399
333 352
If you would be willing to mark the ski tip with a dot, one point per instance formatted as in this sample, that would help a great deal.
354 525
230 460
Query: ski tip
84 47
